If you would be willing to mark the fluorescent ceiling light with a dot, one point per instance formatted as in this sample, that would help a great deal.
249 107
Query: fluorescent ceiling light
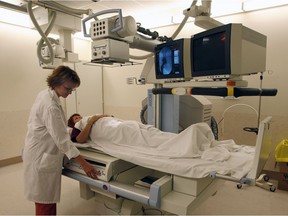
218 8
15 18
224 8
250 5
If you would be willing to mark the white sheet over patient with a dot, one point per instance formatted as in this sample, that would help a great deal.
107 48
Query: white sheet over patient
192 153
145 139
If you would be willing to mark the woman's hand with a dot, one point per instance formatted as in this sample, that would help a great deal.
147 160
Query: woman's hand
90 170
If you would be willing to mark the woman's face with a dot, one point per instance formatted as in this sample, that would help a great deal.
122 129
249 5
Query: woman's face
76 118
65 89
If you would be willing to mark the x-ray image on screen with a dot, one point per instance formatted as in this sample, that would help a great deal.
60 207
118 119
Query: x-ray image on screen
172 60
165 60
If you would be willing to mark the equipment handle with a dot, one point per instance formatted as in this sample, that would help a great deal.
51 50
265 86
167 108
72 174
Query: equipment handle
213 91
217 91
238 92
162 91
269 92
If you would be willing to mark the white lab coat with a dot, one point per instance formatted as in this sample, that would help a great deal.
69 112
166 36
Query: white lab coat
46 142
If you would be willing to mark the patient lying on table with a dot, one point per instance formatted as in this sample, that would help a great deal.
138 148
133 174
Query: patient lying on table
193 153
80 133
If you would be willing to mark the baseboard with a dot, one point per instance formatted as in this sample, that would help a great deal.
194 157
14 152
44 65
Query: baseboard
10 161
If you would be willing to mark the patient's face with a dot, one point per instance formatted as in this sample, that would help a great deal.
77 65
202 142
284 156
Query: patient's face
76 118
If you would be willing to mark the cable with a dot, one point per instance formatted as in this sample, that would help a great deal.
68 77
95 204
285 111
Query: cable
154 35
145 211
175 34
214 127
183 22
117 211
43 35
223 114
44 39
142 114
260 99
57 6
141 57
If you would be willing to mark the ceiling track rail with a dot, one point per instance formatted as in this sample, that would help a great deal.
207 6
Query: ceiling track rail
13 7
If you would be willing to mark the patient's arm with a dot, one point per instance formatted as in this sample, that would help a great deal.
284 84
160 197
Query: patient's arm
84 134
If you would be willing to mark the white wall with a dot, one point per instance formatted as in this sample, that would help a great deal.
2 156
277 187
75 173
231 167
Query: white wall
120 99
88 98
22 79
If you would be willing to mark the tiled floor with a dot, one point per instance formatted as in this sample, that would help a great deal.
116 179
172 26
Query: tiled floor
228 200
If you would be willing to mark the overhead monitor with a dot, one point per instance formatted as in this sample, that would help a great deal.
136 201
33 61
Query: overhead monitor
228 50
172 60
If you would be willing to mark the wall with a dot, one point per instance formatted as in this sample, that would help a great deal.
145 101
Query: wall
123 100
22 79
88 98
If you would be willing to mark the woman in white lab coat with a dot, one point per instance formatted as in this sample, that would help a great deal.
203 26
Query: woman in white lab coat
47 141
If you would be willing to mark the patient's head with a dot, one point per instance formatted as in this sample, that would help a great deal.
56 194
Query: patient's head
74 119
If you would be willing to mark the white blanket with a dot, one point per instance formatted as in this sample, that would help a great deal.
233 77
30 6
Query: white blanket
193 153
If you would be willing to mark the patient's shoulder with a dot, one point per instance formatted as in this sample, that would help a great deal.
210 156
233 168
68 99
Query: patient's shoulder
75 132
81 124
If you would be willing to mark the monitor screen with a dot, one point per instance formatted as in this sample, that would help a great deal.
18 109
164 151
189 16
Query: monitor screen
169 60
226 51
211 52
